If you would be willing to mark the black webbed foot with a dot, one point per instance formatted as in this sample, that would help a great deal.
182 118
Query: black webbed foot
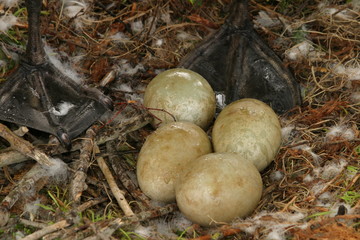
39 96
238 63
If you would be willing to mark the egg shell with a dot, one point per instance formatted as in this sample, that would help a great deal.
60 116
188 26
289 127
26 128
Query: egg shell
185 94
249 127
164 155
218 187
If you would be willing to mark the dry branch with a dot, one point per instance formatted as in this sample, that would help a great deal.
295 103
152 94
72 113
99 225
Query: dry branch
78 185
118 194
9 156
117 165
52 228
24 147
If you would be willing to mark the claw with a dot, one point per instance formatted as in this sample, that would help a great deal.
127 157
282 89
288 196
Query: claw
64 138
107 102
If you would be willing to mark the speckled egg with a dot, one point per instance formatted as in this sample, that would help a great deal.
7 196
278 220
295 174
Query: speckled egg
184 95
164 155
249 127
217 188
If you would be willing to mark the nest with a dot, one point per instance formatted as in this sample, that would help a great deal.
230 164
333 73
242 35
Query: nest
311 190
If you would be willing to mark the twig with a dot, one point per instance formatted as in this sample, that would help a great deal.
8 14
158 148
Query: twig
21 131
90 203
47 230
33 224
78 185
133 189
24 146
118 194
9 156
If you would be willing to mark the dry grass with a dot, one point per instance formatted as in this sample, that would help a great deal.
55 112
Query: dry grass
311 191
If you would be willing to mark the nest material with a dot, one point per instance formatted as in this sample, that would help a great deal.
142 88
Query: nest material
311 191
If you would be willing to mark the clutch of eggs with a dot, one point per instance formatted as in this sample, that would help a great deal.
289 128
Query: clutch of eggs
176 162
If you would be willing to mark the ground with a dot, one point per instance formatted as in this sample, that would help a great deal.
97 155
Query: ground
311 190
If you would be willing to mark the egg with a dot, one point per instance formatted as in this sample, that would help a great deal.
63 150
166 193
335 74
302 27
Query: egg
249 127
181 95
164 155
217 188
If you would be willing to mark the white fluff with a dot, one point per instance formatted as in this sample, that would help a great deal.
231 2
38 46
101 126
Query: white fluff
184 36
2 63
164 229
9 3
308 178
340 131
125 68
355 97
344 14
58 171
125 87
331 169
73 8
308 149
325 198
62 108
150 25
276 176
264 20
32 208
299 51
275 225
77 10
220 100
166 17
277 230
65 68
352 73
159 42
120 36
286 132
144 232
19 235
137 26
7 22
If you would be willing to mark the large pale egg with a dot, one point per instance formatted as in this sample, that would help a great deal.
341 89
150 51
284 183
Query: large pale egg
164 155
217 188
249 127
182 94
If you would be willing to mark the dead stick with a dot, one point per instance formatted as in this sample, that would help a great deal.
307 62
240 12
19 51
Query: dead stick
24 146
9 156
33 224
21 131
125 180
90 203
78 185
52 228
118 194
